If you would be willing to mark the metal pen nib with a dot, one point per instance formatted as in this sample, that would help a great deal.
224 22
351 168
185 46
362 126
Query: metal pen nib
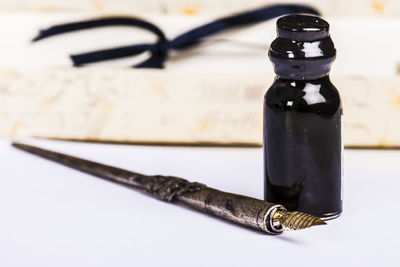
294 220
254 213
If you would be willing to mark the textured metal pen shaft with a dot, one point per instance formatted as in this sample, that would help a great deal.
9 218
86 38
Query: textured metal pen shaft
97 169
251 212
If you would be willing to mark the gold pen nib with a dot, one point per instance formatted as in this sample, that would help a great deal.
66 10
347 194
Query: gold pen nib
318 221
294 220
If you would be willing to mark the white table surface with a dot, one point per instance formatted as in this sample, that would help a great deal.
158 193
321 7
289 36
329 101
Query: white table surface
51 215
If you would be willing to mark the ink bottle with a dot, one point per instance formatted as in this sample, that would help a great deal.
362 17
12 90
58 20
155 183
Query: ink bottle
303 120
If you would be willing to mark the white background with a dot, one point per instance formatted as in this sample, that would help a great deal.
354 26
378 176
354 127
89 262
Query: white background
51 215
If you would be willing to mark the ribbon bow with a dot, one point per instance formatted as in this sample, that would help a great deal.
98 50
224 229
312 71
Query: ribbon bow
159 49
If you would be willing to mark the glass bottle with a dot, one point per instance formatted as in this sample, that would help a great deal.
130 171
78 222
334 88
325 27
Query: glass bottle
303 120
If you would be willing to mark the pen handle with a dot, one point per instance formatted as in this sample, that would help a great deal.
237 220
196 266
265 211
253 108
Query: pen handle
248 211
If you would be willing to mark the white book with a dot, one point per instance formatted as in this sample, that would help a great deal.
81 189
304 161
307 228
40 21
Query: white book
158 106
209 94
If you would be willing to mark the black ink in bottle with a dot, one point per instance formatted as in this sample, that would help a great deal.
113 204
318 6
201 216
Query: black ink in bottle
303 120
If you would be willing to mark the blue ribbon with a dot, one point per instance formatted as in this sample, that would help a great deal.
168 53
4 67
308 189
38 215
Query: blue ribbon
159 49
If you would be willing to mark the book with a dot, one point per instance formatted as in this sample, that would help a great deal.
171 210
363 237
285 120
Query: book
175 107
211 93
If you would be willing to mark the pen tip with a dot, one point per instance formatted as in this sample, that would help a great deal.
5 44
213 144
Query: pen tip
318 221
294 220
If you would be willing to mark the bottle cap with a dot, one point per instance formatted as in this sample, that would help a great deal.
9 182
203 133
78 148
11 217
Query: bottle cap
302 28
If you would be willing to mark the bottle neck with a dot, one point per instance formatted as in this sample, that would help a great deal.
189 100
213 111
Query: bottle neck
301 83
301 69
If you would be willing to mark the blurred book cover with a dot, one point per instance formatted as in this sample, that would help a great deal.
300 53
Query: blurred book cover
211 93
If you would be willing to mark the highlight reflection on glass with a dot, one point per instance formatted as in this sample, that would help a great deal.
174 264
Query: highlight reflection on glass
313 95
311 49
